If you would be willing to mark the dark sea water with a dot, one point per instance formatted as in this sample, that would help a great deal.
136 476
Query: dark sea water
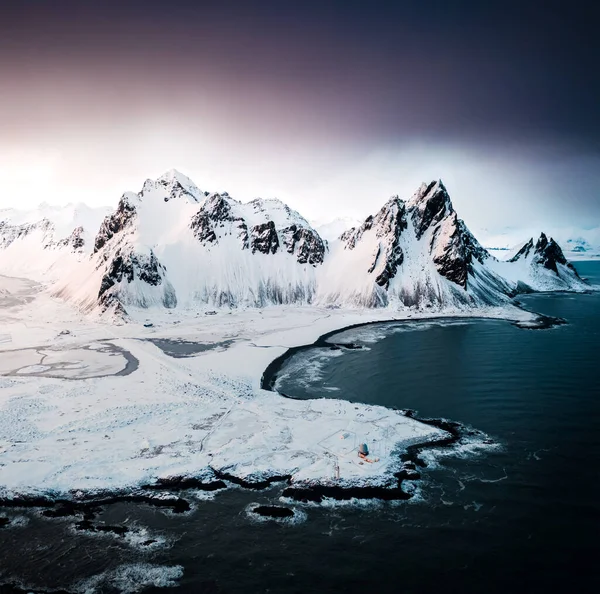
522 515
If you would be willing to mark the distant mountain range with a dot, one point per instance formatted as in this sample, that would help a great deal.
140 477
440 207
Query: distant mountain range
174 245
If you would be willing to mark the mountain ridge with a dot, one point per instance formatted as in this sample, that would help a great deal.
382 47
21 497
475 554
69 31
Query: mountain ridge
174 245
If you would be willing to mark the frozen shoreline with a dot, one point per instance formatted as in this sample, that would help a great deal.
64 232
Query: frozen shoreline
200 416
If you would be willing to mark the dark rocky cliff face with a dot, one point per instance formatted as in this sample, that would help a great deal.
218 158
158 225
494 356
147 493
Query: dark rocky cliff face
264 239
454 258
216 218
75 241
115 223
430 205
388 224
453 247
212 216
127 265
305 243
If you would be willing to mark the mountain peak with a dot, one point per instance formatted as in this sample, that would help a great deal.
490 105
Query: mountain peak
429 205
175 175
174 184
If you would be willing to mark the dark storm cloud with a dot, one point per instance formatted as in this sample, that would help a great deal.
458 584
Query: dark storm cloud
510 70
516 81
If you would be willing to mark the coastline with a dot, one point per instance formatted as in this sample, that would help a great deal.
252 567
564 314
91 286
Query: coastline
233 378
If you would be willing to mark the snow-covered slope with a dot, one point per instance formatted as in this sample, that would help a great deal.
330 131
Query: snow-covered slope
47 241
330 230
174 245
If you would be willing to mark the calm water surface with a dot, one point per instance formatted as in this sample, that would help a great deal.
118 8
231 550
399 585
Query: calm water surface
523 515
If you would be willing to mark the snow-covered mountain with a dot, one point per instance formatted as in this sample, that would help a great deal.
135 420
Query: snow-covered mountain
330 230
577 243
174 245
45 242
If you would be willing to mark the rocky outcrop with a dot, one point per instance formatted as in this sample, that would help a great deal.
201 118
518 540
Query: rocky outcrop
452 247
388 225
116 222
305 244
75 241
212 218
429 205
11 233
264 239
127 266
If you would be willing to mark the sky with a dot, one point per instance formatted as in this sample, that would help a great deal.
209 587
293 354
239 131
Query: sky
330 106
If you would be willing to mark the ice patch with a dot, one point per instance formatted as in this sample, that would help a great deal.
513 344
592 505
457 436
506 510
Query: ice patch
374 333
139 537
306 367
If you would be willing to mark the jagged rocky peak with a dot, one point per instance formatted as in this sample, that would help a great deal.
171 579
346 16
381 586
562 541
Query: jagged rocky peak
10 233
545 252
75 241
216 218
389 221
428 206
117 221
385 230
262 226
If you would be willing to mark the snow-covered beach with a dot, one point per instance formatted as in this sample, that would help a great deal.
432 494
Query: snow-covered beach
95 425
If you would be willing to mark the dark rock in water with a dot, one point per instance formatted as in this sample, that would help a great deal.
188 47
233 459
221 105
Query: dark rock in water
89 527
408 475
13 588
316 493
4 521
263 238
63 511
273 511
